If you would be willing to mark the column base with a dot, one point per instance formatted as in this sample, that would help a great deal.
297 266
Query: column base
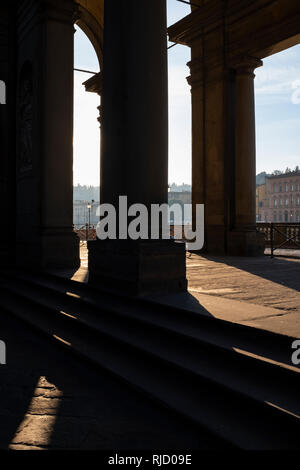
219 241
54 249
138 268
215 240
245 243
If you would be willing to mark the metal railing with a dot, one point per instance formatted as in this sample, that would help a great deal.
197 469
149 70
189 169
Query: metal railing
277 235
280 236
85 232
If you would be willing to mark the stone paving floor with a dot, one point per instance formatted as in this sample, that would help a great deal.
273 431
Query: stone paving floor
262 281
259 292
50 399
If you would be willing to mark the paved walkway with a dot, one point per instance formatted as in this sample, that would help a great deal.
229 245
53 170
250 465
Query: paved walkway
262 281
284 253
259 292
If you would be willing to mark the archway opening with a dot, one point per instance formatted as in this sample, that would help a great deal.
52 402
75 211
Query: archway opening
86 165
277 90
180 154
87 132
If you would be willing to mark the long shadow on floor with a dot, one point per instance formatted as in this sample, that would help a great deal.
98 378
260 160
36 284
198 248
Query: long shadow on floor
285 272
51 400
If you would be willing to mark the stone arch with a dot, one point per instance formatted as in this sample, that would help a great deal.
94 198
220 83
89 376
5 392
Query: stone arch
195 3
91 20
2 92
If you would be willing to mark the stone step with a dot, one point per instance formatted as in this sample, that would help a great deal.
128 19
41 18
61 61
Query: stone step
251 376
170 381
252 342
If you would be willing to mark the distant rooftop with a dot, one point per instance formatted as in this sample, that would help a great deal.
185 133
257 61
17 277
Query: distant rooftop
284 175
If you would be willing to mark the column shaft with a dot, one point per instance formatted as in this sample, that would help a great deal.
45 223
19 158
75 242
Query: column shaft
45 236
7 133
244 239
245 148
135 102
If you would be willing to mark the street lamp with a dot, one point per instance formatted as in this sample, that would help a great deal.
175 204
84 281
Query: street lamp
89 206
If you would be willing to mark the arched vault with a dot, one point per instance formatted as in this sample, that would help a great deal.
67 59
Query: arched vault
91 21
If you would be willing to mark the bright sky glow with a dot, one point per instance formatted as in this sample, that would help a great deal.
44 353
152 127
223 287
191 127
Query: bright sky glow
277 88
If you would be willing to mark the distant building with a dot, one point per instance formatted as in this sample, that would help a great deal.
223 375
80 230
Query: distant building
182 188
81 212
281 202
183 198
261 178
260 201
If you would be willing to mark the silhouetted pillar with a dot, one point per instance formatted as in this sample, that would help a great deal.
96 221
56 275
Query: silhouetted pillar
135 144
196 81
45 236
135 102
7 134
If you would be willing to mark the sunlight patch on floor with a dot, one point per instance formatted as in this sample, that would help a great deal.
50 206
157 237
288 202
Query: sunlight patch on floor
38 423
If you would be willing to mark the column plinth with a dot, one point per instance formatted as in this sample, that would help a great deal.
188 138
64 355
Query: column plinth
138 268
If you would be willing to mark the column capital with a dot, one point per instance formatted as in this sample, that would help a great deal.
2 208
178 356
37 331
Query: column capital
94 84
99 119
196 78
246 65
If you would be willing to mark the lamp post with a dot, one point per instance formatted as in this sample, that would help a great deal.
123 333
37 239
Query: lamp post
89 209
89 206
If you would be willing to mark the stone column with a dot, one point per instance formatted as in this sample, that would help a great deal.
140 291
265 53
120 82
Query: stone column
196 81
7 134
45 236
135 145
245 144
212 142
135 102
243 238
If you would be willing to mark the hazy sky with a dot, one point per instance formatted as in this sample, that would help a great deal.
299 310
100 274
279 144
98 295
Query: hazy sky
277 111
277 87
